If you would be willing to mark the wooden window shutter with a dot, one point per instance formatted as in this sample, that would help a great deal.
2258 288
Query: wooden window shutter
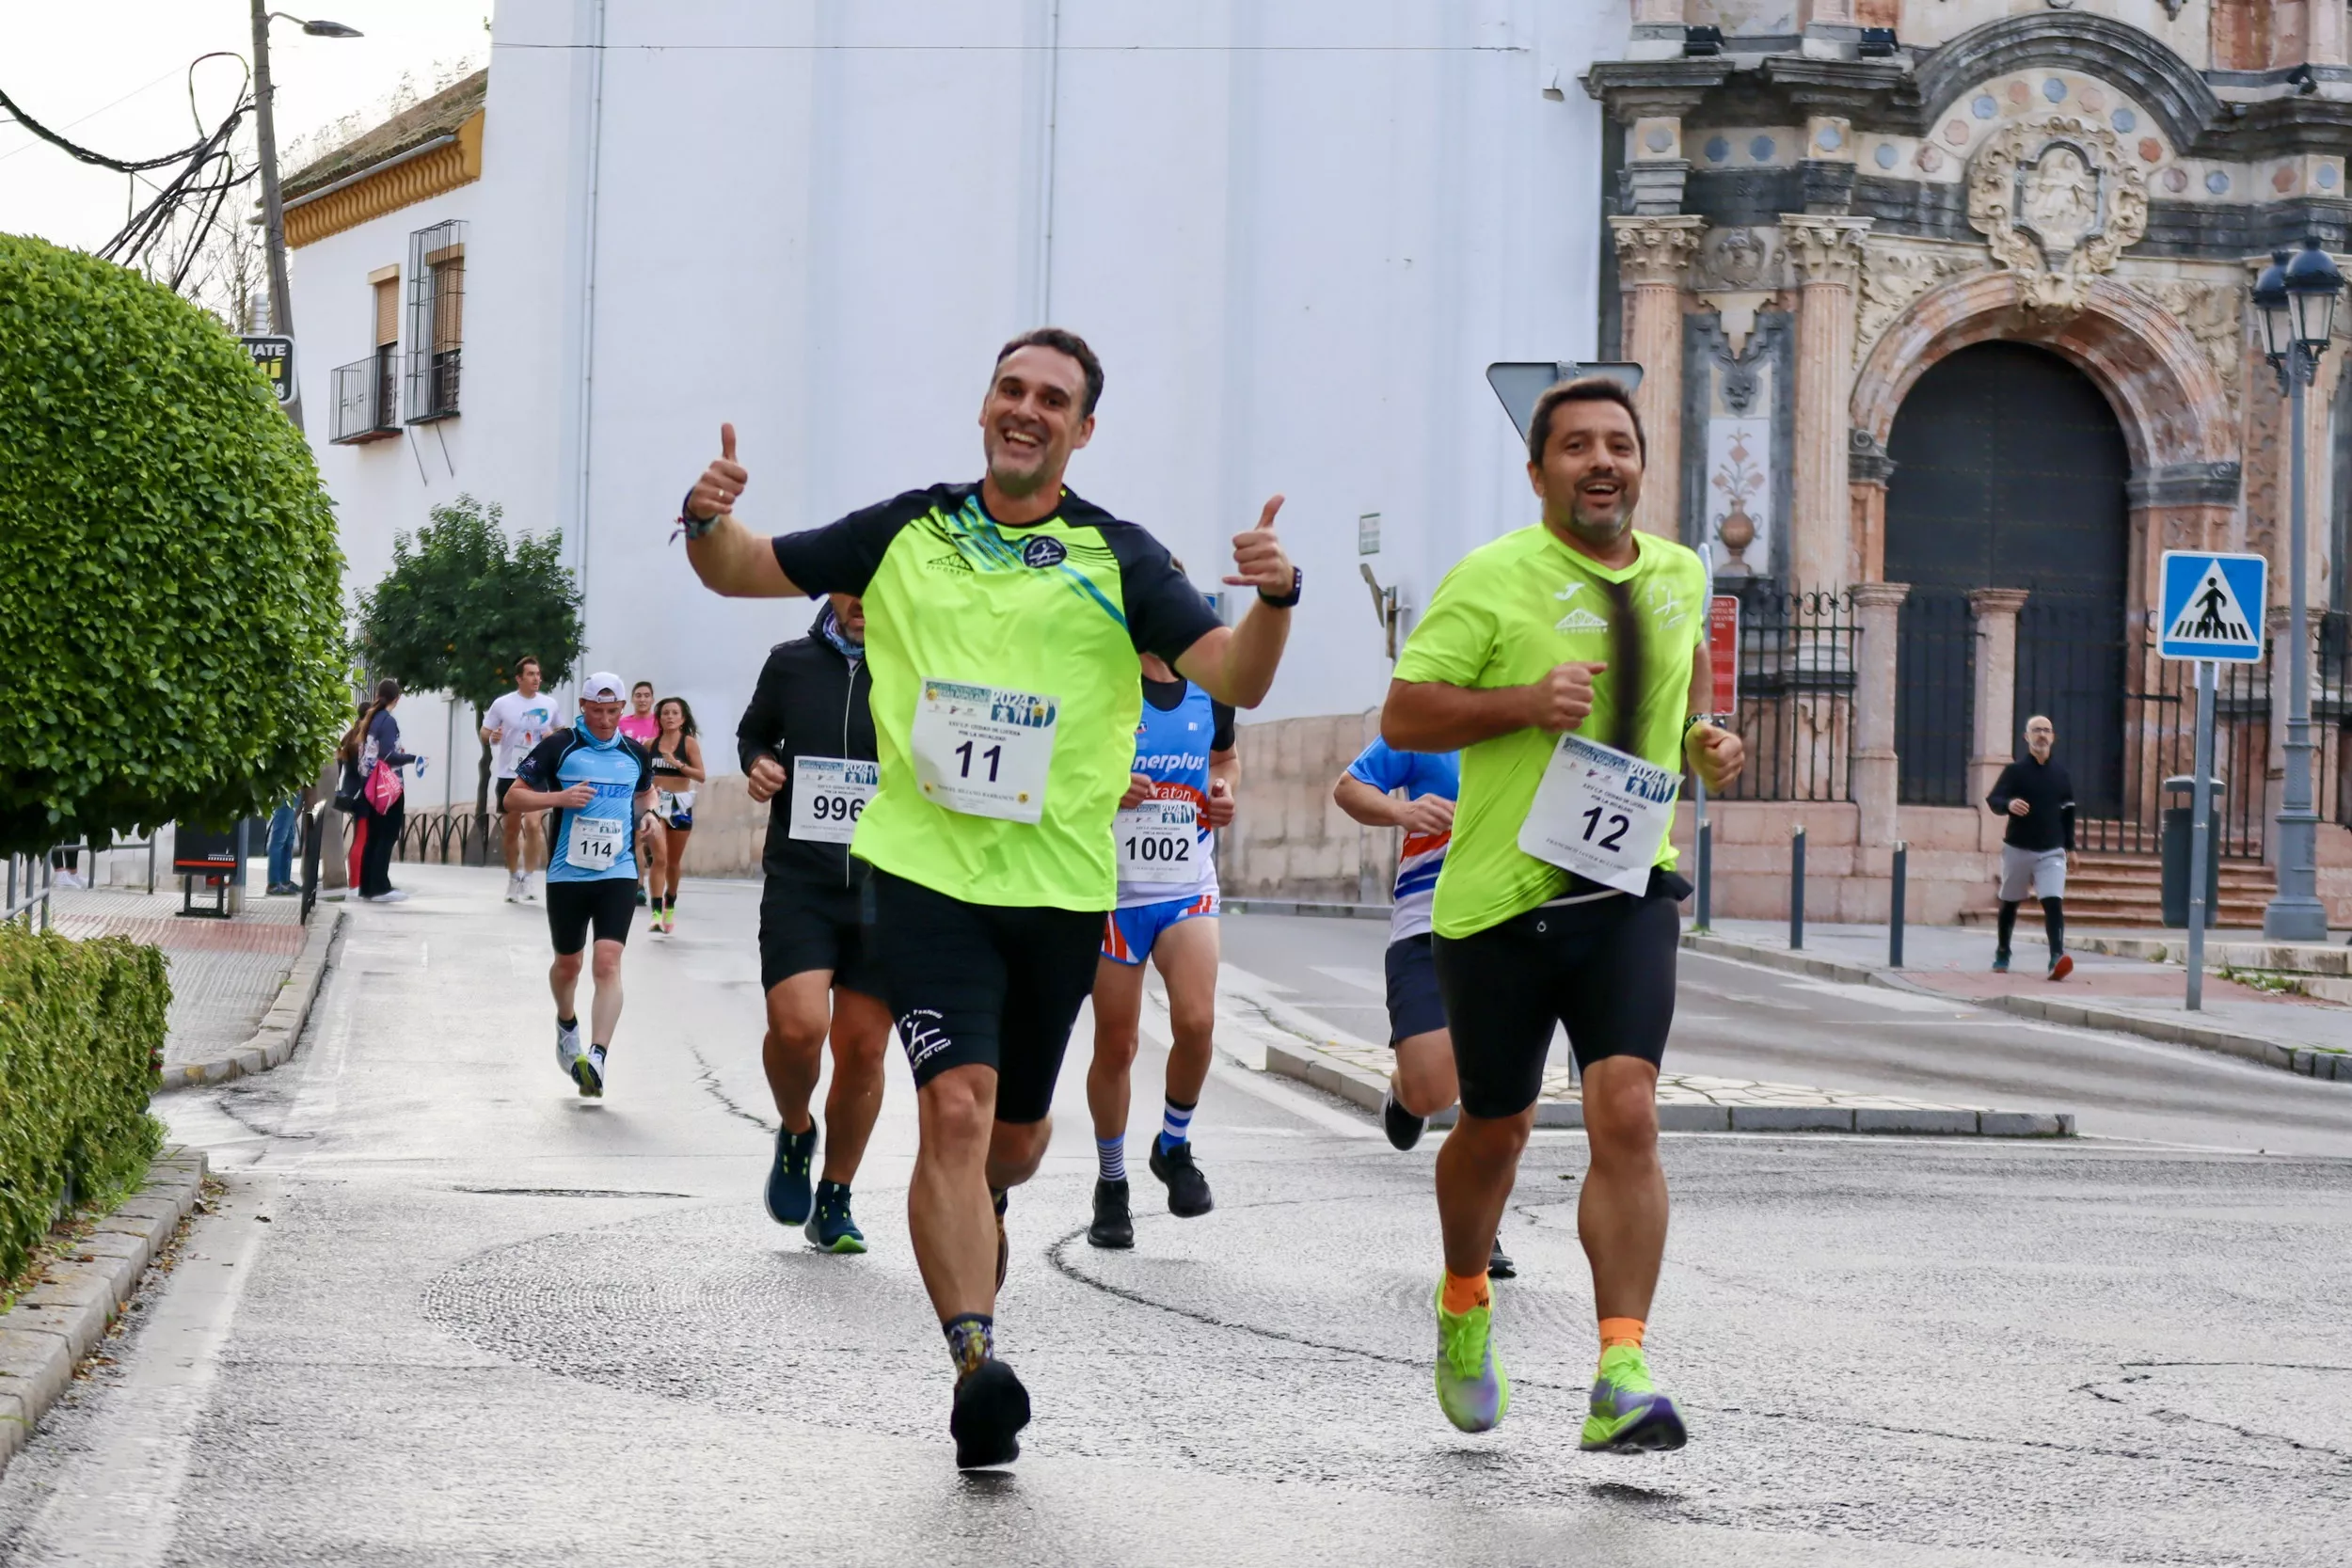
449 304
388 312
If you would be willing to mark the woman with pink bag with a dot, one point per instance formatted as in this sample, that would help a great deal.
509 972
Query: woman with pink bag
372 763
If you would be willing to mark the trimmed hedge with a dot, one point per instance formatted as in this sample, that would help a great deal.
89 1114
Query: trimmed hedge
81 1049
172 621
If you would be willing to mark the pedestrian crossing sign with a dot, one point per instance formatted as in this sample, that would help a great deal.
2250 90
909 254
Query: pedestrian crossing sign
2211 606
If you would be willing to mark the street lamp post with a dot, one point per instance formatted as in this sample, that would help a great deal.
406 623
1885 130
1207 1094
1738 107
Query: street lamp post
2297 299
272 208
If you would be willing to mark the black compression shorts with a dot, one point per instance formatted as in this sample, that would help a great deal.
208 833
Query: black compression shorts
806 926
973 984
609 903
1603 969
504 785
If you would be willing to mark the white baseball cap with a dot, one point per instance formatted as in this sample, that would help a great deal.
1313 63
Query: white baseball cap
603 686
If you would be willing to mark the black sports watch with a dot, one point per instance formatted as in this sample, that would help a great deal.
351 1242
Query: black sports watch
1288 599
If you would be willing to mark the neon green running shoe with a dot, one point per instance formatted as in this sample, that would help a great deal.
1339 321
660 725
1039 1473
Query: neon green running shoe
1471 1390
1629 1413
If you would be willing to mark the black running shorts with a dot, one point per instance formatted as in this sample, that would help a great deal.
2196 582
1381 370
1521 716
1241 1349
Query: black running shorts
806 926
1604 969
504 785
976 984
609 903
1415 1006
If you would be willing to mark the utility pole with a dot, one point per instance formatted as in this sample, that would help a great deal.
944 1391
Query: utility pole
272 208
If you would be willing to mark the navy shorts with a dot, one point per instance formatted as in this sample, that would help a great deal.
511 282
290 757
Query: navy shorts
1415 1006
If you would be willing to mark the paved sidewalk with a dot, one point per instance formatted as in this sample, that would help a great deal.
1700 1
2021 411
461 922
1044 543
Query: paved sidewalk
2298 1033
224 974
1275 1036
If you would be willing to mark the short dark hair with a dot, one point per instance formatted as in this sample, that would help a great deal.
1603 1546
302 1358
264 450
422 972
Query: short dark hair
1583 389
531 660
641 685
1063 341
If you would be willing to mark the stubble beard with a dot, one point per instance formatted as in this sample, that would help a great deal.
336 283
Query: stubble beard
1599 531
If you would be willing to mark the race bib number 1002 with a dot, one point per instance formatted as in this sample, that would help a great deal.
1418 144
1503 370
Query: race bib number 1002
984 750
1601 814
1159 843
829 794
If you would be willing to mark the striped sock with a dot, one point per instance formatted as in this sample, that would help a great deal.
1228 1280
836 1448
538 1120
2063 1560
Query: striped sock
1175 1124
1110 1158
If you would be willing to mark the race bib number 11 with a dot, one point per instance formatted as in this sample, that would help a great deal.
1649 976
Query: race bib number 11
983 751
1601 814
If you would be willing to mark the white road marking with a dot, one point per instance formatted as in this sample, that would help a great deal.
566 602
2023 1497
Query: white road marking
1877 996
126 1499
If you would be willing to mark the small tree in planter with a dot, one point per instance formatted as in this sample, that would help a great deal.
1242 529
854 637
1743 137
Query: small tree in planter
462 603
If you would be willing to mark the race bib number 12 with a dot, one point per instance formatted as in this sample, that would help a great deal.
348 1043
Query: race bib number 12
1601 814
983 751
829 794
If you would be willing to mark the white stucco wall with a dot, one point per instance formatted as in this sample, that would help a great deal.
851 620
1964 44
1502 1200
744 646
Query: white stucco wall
384 487
1297 235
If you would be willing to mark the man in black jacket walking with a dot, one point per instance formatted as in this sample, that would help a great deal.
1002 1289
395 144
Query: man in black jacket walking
2037 798
807 744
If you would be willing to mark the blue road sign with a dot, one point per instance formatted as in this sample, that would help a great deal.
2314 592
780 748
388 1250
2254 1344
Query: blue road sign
2210 606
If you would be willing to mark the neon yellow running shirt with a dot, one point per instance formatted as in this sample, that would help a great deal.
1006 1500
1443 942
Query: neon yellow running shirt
1508 613
1035 628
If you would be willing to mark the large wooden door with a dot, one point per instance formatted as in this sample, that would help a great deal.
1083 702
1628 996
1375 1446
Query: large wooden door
2010 473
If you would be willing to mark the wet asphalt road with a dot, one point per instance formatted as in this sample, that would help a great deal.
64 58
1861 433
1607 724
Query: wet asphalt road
445 1312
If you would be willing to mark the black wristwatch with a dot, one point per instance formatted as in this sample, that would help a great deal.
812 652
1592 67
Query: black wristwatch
1287 600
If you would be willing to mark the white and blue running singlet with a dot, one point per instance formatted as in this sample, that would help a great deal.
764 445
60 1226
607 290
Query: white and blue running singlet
598 841
1417 773
1156 864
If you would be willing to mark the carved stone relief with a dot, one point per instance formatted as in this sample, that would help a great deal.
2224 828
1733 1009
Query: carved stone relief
2215 314
2058 199
1893 275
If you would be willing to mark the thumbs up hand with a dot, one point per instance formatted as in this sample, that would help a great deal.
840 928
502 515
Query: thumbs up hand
714 494
1259 561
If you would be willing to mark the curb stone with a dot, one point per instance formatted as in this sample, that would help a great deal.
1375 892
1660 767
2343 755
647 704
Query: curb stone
281 1027
1366 1090
2308 1061
61 1319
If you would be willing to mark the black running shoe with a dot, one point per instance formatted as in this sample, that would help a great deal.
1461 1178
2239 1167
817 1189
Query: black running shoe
1499 1264
991 1409
1114 1227
1188 1189
1403 1127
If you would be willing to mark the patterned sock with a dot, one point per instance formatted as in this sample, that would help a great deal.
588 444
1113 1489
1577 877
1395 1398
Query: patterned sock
1621 1331
1110 1158
1175 1124
971 1339
1465 1292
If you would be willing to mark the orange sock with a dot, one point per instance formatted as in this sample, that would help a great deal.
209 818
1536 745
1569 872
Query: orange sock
1464 1293
1621 1331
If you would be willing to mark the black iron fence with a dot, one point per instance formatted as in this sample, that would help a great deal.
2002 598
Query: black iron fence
452 838
1796 695
1936 707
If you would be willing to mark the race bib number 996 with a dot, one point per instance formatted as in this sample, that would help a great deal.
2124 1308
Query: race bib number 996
829 794
1601 814
983 751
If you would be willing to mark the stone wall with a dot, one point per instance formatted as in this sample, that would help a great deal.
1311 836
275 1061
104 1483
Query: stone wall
1289 840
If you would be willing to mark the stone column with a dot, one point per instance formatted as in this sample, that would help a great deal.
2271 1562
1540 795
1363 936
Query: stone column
1652 254
1868 469
1878 606
1994 745
1824 254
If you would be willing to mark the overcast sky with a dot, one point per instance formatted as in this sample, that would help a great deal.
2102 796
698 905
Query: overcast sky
112 75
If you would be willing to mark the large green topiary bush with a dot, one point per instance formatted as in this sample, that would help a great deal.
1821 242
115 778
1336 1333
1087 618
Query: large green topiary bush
171 639
81 1042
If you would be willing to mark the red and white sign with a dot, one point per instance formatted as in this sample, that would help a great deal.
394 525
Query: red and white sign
1723 651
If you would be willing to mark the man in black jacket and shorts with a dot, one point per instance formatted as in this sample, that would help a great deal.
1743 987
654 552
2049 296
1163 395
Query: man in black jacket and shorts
2037 798
807 744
